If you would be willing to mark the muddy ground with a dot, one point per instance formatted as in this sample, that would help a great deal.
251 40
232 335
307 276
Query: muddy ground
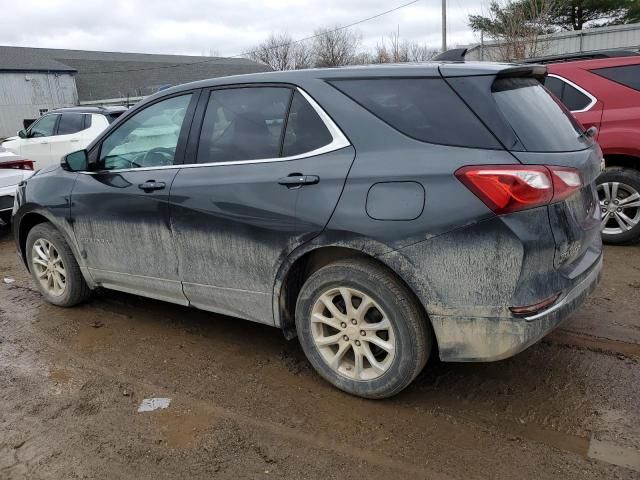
246 404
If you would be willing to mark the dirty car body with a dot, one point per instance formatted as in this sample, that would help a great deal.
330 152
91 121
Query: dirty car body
459 180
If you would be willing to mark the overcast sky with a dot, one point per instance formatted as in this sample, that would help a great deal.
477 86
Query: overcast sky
223 27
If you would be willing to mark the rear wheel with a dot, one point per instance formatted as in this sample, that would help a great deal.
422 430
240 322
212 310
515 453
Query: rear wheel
54 268
619 195
362 329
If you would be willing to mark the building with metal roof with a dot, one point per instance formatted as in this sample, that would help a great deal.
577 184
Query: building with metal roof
36 80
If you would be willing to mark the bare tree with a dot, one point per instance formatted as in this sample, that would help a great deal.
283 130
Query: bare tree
394 50
420 52
334 47
281 52
515 26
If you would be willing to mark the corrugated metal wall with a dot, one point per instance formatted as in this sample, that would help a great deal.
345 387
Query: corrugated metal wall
602 38
24 95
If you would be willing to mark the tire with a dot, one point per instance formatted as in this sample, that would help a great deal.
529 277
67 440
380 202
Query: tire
59 258
364 280
624 182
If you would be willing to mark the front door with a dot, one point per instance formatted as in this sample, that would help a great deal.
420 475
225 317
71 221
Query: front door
120 212
233 210
37 145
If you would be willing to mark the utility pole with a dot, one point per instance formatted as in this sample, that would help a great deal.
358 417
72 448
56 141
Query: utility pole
444 25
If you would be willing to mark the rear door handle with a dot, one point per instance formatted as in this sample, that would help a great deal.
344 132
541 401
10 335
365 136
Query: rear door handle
151 185
297 180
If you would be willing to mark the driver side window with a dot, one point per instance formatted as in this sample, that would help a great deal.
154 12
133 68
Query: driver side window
44 127
147 139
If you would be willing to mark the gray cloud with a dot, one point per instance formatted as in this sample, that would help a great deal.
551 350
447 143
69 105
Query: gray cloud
226 27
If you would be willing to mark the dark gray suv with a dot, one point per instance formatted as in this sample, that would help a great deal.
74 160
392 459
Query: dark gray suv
381 214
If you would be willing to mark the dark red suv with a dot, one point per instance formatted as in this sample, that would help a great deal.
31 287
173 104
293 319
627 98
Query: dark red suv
602 89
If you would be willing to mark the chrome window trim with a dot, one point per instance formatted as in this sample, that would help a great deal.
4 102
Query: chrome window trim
581 90
339 141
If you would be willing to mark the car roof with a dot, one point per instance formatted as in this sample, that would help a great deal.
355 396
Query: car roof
100 110
422 69
582 56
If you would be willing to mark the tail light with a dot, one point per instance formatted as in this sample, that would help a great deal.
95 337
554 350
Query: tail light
18 164
511 188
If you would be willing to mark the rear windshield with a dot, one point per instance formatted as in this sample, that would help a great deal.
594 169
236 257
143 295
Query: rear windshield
425 109
541 122
627 75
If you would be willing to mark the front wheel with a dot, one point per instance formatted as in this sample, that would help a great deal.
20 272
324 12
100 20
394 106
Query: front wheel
362 329
619 195
53 267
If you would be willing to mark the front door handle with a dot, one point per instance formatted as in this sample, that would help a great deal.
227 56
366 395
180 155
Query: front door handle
297 180
151 185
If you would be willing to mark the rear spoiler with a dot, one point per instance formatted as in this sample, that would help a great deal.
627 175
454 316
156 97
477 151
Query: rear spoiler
453 55
529 71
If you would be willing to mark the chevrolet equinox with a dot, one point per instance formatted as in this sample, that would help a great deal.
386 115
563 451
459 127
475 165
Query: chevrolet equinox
380 214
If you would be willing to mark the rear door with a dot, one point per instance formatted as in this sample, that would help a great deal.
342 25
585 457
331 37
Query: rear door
37 145
257 158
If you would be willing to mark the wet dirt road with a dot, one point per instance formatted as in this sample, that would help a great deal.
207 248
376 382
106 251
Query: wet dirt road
245 403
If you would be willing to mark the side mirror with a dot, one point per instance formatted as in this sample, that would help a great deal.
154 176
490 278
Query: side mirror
75 162
22 134
592 132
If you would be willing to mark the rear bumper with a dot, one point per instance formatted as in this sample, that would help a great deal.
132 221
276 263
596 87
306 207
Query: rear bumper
472 339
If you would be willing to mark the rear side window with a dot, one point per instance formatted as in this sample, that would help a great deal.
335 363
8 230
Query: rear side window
628 75
243 124
71 123
541 123
572 98
305 130
425 109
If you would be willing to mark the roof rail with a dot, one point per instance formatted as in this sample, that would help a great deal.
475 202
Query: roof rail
453 55
573 57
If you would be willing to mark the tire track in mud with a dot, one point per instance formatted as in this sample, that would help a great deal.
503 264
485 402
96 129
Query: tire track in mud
370 457
563 442
24 300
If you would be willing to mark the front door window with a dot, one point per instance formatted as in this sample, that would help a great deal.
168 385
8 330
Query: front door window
147 139
43 127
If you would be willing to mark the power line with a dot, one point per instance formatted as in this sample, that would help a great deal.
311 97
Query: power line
244 54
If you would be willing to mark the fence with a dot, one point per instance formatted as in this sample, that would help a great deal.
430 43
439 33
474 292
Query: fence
600 38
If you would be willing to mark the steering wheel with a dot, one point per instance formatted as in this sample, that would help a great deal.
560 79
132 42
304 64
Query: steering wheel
158 157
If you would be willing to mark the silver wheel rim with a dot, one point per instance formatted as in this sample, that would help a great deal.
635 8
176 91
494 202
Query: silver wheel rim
48 267
619 207
353 334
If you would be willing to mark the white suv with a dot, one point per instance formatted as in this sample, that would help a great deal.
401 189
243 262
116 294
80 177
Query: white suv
60 132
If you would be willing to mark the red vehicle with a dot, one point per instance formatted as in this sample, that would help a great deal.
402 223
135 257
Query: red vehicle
602 89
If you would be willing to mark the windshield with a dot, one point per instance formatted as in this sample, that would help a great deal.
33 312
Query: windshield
541 122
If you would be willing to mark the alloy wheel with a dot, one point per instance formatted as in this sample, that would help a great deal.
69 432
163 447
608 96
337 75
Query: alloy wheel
353 334
48 266
619 207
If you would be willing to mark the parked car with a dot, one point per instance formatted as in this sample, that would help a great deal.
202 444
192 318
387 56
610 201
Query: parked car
13 170
60 132
602 89
373 212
